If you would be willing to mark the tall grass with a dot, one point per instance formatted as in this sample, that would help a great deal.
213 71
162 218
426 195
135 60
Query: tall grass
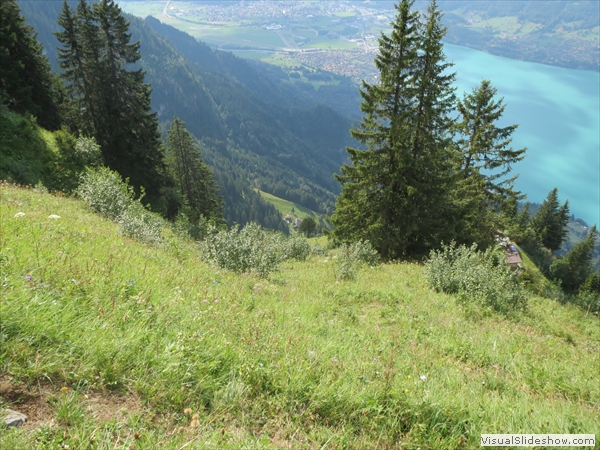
296 359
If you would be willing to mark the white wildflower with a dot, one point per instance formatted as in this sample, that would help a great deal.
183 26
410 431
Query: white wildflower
53 216
423 378
19 214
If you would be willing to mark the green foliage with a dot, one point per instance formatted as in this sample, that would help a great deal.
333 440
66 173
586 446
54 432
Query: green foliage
251 249
194 179
308 226
26 156
67 406
105 192
107 99
480 278
351 257
30 155
26 84
550 222
396 193
486 159
575 267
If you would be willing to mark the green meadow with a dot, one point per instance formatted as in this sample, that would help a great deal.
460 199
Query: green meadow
110 343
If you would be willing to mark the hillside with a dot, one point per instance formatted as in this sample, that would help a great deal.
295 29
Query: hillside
295 211
254 133
108 340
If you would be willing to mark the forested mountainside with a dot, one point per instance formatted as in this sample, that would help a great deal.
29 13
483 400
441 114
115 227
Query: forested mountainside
251 132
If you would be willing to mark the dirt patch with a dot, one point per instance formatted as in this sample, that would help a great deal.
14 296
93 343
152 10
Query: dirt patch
29 401
34 402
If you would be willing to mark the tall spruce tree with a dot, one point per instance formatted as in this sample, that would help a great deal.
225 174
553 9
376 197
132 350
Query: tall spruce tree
26 83
485 147
396 193
486 194
195 181
550 221
109 99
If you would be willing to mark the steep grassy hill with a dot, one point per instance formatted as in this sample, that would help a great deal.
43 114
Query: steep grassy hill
295 211
109 343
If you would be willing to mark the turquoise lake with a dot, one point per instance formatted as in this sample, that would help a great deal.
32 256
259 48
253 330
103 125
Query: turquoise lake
558 112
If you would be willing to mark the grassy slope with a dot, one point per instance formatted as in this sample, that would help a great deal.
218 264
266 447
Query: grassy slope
293 209
295 361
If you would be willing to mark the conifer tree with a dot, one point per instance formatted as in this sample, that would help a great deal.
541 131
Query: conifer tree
195 181
576 266
550 222
26 83
396 193
486 198
485 147
109 100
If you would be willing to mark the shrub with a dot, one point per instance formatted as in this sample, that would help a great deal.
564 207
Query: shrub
351 257
251 249
295 247
141 224
107 194
477 277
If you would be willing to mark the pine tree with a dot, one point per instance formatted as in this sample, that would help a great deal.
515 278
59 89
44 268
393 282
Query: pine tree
195 182
396 193
483 189
576 266
485 147
110 101
26 83
550 222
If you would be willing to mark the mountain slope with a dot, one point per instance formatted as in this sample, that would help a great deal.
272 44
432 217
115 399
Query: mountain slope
110 341
252 133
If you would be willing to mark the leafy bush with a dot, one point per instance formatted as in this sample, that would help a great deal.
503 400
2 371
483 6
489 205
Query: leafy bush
295 247
141 224
251 249
107 194
351 257
477 277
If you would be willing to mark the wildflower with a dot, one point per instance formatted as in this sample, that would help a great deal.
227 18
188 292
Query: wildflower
406 391
28 277
409 377
64 389
216 301
335 360
53 216
19 214
423 378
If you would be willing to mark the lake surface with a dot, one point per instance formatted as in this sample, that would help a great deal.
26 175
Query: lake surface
558 112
